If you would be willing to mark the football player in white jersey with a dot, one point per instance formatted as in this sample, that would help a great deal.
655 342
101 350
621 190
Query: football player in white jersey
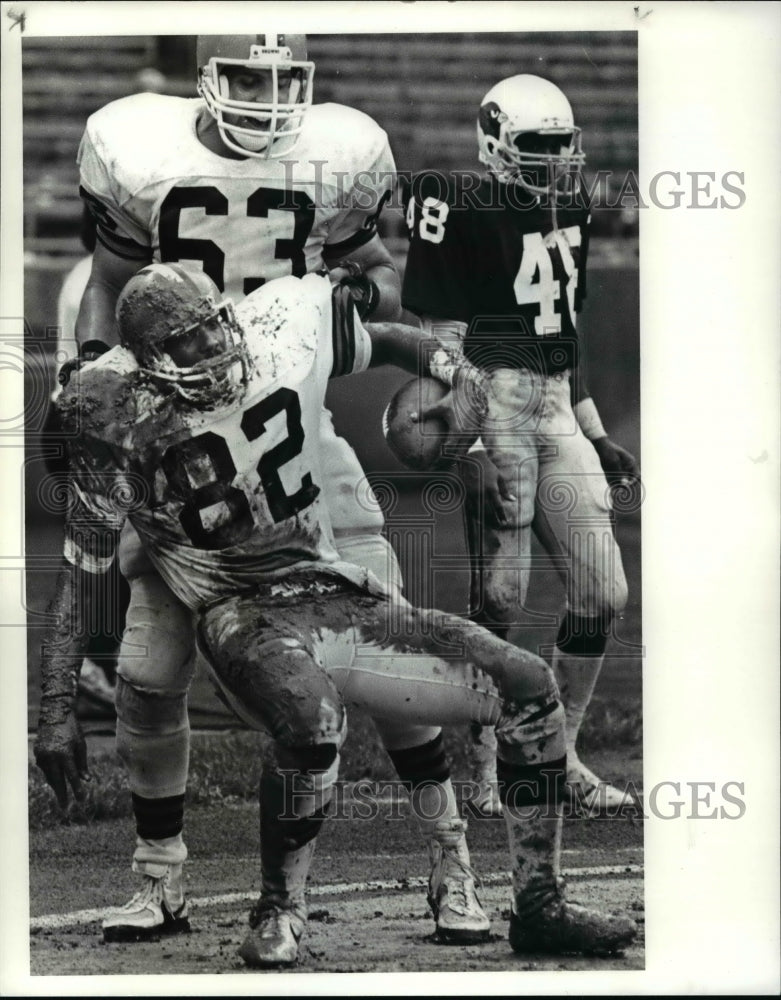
249 183
203 428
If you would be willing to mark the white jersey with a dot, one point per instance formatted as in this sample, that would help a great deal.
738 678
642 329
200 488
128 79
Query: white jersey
222 499
158 193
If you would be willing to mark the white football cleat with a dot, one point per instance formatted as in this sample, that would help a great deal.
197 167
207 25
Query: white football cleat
276 927
158 908
588 795
452 893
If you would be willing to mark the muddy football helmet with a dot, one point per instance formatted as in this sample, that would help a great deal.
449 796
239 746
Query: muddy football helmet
166 301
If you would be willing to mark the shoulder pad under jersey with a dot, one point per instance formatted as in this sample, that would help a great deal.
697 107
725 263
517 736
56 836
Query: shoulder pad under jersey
137 140
281 321
348 140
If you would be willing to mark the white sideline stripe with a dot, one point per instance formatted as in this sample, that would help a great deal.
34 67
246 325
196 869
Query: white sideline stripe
58 920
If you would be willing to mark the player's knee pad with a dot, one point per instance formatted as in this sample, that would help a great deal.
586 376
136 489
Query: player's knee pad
158 642
531 725
598 587
608 600
618 592
305 709
141 710
153 740
274 683
502 595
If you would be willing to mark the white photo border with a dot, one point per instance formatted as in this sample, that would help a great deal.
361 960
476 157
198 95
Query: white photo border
710 101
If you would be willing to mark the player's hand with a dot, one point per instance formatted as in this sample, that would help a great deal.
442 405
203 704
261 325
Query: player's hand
462 423
499 491
61 753
481 476
618 464
88 351
462 409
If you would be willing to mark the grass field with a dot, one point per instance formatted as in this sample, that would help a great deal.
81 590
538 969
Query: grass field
368 911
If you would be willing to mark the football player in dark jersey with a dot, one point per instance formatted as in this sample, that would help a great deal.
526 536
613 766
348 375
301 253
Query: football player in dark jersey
497 264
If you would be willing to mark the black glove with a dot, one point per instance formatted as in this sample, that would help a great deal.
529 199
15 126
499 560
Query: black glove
88 351
364 292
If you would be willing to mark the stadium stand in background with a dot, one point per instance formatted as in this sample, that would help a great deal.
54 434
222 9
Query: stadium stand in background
423 89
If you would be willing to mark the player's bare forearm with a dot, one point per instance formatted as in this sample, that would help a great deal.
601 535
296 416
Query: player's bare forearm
422 353
109 276
96 316
401 345
386 278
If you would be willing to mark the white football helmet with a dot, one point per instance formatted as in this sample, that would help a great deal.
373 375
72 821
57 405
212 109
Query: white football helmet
526 132
270 129
165 301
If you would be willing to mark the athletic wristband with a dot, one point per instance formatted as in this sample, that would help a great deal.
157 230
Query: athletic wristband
588 419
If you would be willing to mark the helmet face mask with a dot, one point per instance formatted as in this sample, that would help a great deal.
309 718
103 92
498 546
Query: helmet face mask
166 303
526 134
267 128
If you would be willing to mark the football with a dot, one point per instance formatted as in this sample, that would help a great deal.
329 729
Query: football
416 445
